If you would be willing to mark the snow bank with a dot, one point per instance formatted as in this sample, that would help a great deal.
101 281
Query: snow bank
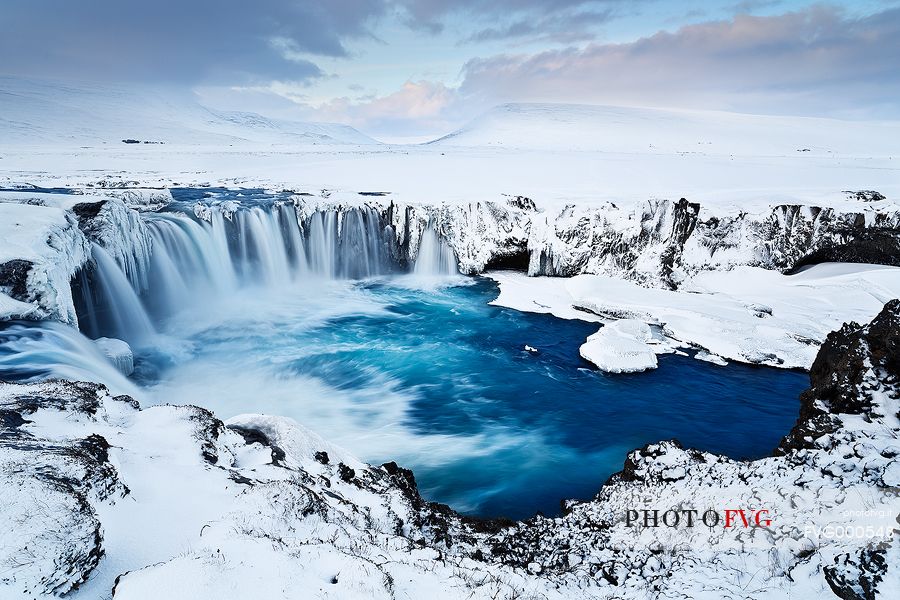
620 347
747 314
47 240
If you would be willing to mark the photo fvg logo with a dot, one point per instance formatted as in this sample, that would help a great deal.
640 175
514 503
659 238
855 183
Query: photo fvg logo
729 518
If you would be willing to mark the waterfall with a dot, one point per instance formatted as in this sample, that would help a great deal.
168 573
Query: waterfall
197 258
436 257
113 308
352 244
32 351
322 243
265 250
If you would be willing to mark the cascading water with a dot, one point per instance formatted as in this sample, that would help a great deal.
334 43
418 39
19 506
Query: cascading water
436 257
32 351
111 306
352 244
199 260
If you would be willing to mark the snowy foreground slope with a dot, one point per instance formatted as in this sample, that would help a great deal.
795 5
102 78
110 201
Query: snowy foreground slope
170 502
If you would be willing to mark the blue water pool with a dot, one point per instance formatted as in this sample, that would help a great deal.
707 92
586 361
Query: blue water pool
439 380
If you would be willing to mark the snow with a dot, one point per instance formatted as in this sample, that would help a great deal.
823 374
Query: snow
118 352
620 347
43 229
656 131
631 155
36 112
175 503
170 502
48 237
747 314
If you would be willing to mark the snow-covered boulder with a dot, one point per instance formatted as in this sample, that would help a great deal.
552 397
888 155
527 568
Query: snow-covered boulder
118 352
620 347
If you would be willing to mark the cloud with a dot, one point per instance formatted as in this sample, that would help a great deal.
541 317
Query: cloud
818 60
418 106
178 40
565 27
513 18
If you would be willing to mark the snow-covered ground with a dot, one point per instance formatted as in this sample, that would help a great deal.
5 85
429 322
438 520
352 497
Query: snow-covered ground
171 502
72 115
52 134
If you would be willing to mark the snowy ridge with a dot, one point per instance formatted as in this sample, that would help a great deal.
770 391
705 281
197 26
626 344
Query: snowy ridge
747 314
36 112
652 130
275 511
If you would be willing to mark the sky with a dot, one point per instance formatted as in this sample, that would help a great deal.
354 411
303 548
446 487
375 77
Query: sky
400 69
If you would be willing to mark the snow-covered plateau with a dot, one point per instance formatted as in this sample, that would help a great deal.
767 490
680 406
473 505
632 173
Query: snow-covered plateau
734 238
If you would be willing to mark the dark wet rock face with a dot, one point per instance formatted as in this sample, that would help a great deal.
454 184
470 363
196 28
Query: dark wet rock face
839 376
14 279
876 246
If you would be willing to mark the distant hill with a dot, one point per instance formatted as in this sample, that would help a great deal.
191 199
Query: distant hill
643 130
47 112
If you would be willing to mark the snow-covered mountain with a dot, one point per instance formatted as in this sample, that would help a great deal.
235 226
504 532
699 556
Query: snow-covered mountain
650 130
45 112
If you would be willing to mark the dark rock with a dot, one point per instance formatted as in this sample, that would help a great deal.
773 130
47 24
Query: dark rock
856 577
867 246
88 210
207 431
865 195
516 259
321 456
837 374
347 474
255 436
522 203
14 279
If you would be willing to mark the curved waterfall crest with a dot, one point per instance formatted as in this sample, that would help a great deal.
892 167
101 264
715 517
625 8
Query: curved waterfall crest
215 249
